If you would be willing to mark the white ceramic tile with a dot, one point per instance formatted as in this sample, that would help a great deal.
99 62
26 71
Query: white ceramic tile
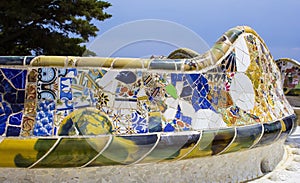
171 102
71 73
124 104
186 107
206 119
170 113
111 98
179 87
141 93
81 96
242 55
242 92
133 105
107 78
111 87
216 121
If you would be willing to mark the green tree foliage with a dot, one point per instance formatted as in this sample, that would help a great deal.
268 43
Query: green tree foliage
48 27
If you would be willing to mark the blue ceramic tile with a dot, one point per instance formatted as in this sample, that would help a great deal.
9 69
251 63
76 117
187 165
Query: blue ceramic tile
10 97
206 86
15 119
169 128
234 110
203 79
192 78
185 83
17 107
44 118
65 88
180 77
126 77
173 79
196 107
14 99
62 72
5 111
13 131
10 73
205 104
186 119
2 90
20 80
11 60
28 59
203 92
139 123
186 91
2 125
155 124
7 87
72 72
195 96
20 96
47 95
46 74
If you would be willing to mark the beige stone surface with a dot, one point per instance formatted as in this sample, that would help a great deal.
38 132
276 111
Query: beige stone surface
232 167
288 170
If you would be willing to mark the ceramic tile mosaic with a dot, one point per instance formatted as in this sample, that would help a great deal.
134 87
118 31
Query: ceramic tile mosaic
12 97
80 111
290 75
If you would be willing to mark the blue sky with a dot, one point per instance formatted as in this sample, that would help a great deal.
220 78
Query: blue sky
276 21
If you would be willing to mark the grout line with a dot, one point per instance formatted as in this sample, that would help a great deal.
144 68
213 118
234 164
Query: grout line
196 145
262 133
104 148
234 137
145 155
45 155
280 131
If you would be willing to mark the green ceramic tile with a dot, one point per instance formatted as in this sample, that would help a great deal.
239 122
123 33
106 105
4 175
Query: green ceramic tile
126 150
172 146
271 132
171 90
73 152
41 147
212 142
233 34
245 138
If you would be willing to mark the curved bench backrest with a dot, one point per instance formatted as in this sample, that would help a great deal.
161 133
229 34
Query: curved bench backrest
235 83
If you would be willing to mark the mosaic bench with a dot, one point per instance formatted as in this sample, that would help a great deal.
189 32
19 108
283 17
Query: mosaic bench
64 111
290 75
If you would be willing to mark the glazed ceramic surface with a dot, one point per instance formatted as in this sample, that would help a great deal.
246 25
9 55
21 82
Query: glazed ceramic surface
290 71
63 111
